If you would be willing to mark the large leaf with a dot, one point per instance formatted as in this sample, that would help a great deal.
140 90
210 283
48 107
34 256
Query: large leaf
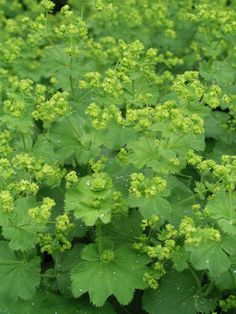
69 136
118 277
88 204
222 207
20 229
64 262
19 278
209 255
176 294
152 206
45 302
181 201
142 152
123 229
227 279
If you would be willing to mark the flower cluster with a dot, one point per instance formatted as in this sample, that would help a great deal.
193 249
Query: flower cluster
48 110
5 143
63 223
71 179
52 243
159 247
42 212
147 187
6 202
224 171
194 236
228 304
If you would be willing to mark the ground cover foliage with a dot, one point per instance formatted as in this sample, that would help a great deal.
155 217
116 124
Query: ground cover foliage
117 157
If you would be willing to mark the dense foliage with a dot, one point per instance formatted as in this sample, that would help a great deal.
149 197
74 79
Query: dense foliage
118 157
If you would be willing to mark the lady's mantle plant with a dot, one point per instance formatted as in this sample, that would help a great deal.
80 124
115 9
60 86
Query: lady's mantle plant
118 157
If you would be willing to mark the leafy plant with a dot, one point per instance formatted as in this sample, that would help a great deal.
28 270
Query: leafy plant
117 157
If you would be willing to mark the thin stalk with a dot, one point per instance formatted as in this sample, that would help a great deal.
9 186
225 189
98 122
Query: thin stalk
196 279
209 289
99 238
23 140
183 175
73 128
47 276
133 90
5 262
72 87
194 195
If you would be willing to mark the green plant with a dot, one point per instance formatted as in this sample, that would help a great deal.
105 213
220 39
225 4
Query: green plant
117 157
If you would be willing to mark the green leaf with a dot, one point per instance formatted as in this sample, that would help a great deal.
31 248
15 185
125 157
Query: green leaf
65 137
115 230
180 258
19 278
119 277
64 262
181 201
45 302
20 229
44 148
122 135
213 124
142 152
70 137
228 244
206 306
227 280
120 174
219 71
90 205
209 255
152 206
222 208
176 294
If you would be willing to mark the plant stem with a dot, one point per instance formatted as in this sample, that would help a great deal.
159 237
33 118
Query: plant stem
73 128
47 276
196 279
99 238
209 289
23 140
72 87
71 78
196 194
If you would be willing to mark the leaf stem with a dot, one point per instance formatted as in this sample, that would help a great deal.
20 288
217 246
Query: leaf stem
23 140
192 271
209 289
73 128
99 238
47 276
196 194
